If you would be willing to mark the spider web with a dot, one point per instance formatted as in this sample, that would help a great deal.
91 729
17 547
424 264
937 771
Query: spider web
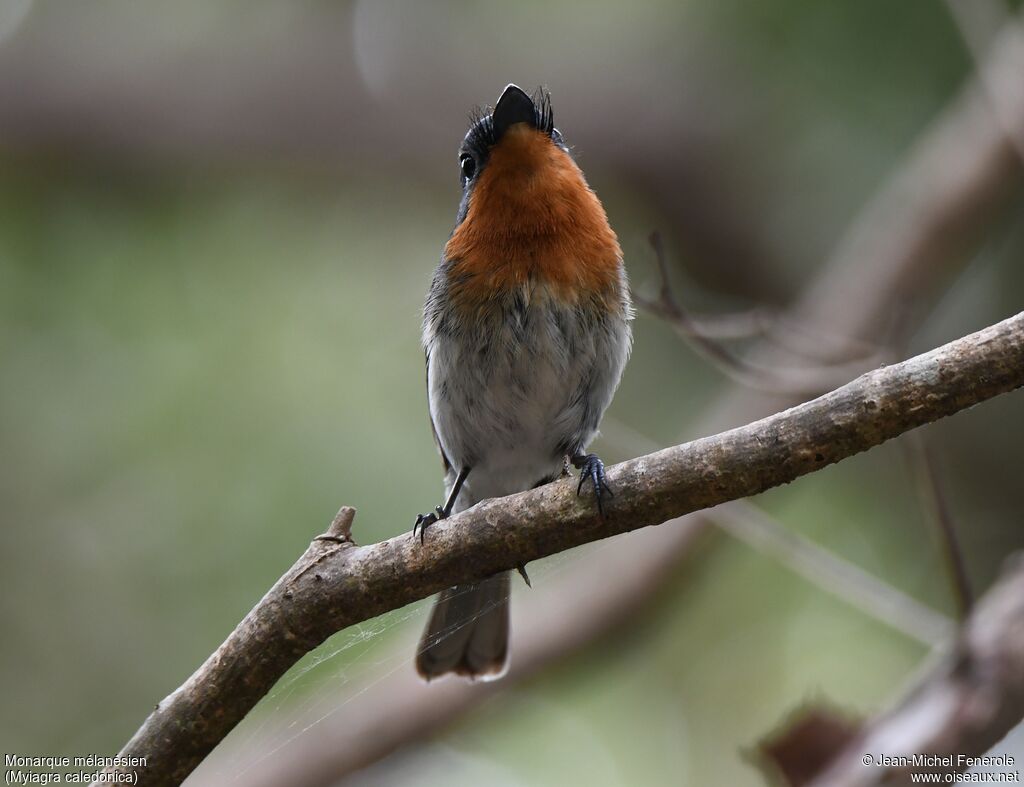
325 681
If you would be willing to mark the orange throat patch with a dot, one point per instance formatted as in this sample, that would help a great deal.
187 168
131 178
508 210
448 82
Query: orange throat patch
533 218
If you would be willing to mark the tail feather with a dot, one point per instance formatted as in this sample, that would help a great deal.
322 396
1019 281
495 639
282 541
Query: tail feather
468 631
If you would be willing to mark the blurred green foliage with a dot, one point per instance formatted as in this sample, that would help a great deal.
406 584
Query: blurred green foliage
200 364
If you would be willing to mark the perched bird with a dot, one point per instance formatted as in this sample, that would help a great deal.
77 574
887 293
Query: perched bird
526 333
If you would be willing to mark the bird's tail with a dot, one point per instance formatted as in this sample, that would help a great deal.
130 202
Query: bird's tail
468 631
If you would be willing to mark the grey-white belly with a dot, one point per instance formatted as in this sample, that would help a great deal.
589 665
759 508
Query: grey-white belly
510 398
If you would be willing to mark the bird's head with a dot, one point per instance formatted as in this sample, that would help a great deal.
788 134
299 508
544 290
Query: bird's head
526 209
517 122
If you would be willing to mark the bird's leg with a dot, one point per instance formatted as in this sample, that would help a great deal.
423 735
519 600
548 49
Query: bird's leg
592 468
423 521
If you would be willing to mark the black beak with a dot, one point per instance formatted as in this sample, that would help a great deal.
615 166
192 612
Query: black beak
514 106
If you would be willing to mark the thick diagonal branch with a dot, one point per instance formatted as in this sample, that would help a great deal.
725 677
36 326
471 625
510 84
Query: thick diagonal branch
335 586
923 225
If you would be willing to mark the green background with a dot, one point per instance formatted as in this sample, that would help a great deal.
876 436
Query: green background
217 225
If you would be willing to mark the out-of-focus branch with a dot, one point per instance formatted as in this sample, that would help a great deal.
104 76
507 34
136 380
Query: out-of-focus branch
922 465
327 591
1001 79
702 335
837 576
963 707
741 325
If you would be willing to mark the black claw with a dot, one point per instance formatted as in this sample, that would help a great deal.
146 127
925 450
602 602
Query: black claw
592 469
423 521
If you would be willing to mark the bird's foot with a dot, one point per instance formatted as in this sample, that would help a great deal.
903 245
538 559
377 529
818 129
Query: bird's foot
423 521
592 469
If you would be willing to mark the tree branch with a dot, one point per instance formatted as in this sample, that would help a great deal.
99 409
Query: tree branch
802 381
964 706
936 510
845 580
1000 78
922 225
355 583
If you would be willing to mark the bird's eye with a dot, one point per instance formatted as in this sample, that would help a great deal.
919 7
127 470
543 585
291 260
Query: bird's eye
468 166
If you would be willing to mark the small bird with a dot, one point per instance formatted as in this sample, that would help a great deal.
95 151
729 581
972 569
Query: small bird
526 333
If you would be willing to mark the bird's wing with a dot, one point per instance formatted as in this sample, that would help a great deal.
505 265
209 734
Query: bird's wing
433 428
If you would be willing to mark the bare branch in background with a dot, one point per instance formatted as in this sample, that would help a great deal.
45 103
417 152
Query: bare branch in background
702 335
931 213
357 583
841 578
978 22
737 325
933 499
963 707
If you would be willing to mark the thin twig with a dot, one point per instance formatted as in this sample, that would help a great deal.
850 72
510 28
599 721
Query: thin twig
837 576
799 380
759 321
922 465
339 532
818 343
